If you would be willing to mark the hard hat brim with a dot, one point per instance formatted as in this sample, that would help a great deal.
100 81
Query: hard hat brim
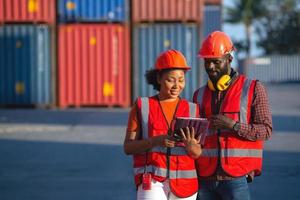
175 67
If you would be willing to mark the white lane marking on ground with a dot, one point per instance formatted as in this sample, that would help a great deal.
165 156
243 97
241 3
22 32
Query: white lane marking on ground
66 134
13 128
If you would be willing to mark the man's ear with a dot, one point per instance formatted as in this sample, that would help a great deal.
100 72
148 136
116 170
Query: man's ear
230 58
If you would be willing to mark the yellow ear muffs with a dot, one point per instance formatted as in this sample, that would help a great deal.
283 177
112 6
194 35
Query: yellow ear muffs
222 84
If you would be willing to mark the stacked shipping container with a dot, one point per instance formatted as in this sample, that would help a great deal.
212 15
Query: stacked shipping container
25 65
160 25
16 11
93 11
25 56
152 39
93 58
166 10
212 19
94 66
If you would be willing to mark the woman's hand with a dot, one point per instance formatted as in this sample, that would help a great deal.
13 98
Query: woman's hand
192 144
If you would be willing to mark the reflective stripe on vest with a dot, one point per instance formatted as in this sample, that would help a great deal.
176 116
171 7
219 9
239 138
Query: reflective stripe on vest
175 151
145 114
232 153
173 174
244 101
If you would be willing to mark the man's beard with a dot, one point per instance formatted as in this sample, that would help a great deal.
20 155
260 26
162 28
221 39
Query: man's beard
220 73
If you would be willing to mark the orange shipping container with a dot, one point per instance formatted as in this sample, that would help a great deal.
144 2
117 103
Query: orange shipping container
27 11
167 10
94 65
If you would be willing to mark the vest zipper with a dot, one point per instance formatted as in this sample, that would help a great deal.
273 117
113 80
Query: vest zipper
218 105
220 102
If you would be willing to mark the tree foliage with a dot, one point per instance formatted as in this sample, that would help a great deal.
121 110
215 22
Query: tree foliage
279 29
277 23
245 12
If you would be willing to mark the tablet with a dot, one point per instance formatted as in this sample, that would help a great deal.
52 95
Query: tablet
200 126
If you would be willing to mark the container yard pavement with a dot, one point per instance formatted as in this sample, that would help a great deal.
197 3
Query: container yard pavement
77 154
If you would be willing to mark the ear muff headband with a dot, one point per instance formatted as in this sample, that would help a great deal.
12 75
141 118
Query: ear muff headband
222 84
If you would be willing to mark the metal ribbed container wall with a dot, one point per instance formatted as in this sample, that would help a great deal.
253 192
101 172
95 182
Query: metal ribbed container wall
151 40
24 65
94 65
273 69
212 19
167 10
27 11
92 10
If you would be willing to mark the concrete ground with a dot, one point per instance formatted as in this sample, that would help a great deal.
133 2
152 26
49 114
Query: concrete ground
77 154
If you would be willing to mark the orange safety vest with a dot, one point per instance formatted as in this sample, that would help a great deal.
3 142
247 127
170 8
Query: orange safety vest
163 163
237 156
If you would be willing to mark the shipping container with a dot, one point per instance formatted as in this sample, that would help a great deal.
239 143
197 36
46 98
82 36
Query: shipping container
268 69
25 65
93 10
94 65
212 19
167 10
152 39
27 11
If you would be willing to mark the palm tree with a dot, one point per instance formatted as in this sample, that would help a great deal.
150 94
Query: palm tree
245 12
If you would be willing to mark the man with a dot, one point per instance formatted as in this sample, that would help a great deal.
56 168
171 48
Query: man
240 121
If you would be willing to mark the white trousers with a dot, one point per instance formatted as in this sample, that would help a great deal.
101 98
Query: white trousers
159 191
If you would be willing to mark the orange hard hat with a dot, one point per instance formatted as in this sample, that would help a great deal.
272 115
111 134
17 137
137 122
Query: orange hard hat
216 45
171 59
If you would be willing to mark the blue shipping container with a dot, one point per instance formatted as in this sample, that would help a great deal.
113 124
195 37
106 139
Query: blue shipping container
151 40
212 19
24 65
92 10
211 22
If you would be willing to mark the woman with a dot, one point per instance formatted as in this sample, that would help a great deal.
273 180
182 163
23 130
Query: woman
164 169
